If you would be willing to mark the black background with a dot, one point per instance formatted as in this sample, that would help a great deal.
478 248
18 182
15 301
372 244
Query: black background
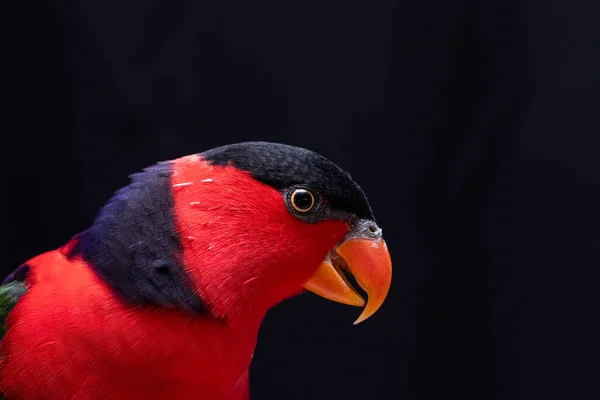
474 129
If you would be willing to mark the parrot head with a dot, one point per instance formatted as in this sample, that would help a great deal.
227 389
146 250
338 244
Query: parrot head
239 228
269 220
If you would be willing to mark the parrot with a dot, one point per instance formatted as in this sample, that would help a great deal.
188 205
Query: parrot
162 296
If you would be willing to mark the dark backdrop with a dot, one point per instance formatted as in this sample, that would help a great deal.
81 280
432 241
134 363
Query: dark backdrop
474 129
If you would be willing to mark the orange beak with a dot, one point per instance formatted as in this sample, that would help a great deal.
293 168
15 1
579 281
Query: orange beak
368 260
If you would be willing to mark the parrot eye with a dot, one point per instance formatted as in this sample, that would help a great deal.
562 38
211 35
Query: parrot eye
302 200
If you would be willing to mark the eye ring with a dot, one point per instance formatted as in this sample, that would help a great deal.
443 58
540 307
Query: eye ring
302 200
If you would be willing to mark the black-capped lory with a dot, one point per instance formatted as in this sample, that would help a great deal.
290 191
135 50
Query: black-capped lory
162 297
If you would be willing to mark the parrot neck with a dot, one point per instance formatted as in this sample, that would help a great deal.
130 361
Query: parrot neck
134 245
209 240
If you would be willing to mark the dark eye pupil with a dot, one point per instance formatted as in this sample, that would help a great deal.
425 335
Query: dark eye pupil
303 200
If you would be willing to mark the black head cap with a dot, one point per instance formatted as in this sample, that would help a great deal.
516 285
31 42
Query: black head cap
282 167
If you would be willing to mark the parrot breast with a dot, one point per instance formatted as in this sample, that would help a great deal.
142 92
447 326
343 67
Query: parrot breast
70 337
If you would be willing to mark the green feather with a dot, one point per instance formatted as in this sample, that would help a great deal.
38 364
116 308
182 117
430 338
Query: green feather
10 293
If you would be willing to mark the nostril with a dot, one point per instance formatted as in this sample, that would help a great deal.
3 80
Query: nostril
365 229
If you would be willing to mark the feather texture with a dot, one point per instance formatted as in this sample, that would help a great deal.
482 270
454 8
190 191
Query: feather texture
162 298
70 337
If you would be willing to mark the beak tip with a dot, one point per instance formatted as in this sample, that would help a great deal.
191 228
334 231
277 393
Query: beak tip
366 314
362 318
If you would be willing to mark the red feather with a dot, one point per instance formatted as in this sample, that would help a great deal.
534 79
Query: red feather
70 337
243 249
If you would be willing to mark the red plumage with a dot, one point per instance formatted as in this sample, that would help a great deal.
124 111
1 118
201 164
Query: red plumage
238 234
70 337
